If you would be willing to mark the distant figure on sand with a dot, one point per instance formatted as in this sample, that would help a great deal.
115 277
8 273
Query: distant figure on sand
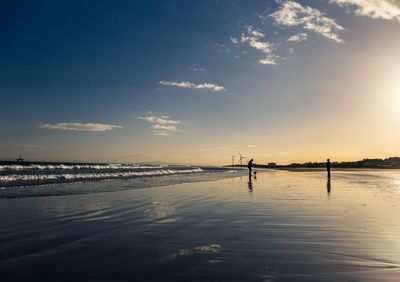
250 165
328 167
255 174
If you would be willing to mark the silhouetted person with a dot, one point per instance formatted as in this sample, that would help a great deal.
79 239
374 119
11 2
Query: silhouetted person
328 167
255 174
250 165
328 186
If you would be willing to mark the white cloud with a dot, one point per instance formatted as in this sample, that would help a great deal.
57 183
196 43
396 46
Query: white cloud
268 61
75 126
161 133
197 68
376 9
186 84
292 13
162 125
165 127
254 37
162 120
251 146
234 40
298 37
255 33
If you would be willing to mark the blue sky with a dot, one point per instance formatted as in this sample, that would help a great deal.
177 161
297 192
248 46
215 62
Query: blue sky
196 81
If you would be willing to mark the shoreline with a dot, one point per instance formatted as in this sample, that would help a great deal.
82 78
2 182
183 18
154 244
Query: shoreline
288 168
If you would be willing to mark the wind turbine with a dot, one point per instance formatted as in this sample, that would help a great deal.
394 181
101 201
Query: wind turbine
233 160
241 158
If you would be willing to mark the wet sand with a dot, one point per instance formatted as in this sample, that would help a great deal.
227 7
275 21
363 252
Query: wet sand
291 226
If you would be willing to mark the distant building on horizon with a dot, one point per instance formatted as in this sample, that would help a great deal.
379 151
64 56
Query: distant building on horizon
20 159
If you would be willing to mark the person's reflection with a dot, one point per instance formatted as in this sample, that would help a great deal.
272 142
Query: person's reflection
328 186
250 184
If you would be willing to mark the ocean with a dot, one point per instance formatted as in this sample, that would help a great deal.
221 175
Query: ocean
50 179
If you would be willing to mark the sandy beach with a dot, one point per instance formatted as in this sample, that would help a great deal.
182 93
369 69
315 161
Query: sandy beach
292 226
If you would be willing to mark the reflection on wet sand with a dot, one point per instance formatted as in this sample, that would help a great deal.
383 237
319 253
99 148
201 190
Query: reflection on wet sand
250 184
206 249
162 212
211 231
328 186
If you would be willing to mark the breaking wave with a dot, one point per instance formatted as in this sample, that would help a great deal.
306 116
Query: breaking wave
75 167
30 175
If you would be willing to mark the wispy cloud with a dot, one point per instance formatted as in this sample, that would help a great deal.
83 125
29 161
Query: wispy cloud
76 126
298 37
162 125
31 146
227 147
291 13
165 127
254 38
160 133
162 120
186 84
376 9
235 40
197 68
221 48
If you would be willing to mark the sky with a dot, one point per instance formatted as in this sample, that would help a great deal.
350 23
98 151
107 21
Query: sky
194 82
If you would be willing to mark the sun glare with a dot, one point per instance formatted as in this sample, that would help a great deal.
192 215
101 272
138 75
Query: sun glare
394 91
396 88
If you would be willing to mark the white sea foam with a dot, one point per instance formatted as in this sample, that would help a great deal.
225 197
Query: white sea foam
31 179
75 167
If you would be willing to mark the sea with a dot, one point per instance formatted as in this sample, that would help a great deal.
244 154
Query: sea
51 179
